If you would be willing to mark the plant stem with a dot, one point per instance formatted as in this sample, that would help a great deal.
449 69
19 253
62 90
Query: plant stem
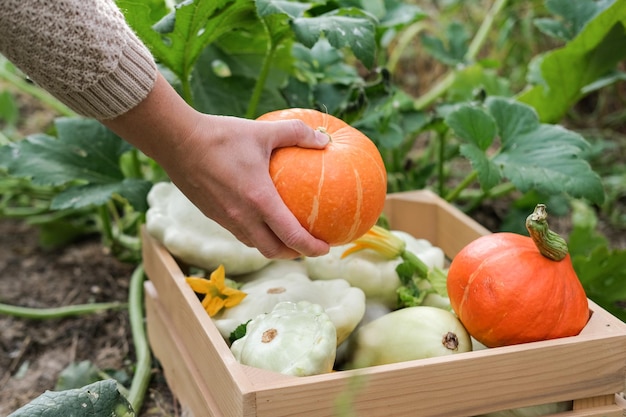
440 88
501 190
260 85
36 92
403 41
454 194
476 197
185 82
21 212
107 228
550 244
440 159
58 312
135 164
483 31
143 369
434 93
253 105
419 267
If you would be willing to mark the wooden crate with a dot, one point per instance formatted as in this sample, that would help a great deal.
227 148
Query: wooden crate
588 369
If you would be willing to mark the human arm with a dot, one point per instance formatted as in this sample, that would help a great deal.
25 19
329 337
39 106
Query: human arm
83 52
221 164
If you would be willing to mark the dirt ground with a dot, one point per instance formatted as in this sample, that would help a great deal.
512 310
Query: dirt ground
34 352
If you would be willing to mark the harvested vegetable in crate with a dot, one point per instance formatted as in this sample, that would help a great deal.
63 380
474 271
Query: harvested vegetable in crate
508 289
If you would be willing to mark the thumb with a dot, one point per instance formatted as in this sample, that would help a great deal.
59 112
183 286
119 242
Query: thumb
297 133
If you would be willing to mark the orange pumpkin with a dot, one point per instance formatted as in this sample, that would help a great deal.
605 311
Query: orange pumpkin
337 193
508 288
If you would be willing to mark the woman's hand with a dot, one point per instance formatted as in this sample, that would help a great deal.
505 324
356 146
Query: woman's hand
222 165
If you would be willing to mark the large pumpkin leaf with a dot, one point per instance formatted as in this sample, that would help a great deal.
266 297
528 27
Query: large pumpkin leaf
179 37
573 16
533 156
560 77
85 156
474 124
343 27
100 399
277 15
351 28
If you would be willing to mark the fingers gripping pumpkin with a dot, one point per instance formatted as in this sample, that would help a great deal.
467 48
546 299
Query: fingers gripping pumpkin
337 193
508 288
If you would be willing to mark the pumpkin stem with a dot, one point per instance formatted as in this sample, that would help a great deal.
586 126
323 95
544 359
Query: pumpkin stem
324 131
549 243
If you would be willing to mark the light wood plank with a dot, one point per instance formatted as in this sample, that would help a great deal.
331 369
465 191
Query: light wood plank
207 348
182 377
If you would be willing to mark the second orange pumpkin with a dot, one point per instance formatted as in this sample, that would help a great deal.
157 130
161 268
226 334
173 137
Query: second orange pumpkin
336 193
508 289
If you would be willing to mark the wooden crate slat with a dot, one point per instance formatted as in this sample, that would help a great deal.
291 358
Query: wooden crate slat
182 376
426 215
211 354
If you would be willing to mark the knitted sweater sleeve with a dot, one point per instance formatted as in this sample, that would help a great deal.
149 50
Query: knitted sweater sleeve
81 51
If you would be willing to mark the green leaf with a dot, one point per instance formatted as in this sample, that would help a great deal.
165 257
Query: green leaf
475 78
473 124
292 9
600 269
513 119
584 238
59 232
186 31
574 16
85 156
100 399
9 110
457 42
132 189
542 157
230 95
602 82
553 28
533 156
278 14
77 375
239 332
84 150
603 276
547 160
351 28
564 72
488 173
397 14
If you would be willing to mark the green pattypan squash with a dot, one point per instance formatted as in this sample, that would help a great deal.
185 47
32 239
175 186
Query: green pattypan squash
296 339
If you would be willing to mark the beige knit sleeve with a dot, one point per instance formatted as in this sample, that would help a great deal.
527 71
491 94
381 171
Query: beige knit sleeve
81 51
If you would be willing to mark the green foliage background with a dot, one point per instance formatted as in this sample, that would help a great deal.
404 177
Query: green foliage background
483 102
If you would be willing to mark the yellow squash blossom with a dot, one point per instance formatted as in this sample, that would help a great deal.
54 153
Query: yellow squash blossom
380 240
217 295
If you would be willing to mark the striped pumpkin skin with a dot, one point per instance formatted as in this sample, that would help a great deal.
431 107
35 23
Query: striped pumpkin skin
336 193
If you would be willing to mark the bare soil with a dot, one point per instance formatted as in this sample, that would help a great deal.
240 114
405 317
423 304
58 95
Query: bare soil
34 352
